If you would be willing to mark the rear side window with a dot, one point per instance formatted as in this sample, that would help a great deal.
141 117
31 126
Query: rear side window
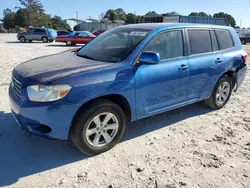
225 39
215 44
39 31
200 41
169 45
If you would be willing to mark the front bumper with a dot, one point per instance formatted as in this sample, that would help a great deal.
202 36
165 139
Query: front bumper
32 115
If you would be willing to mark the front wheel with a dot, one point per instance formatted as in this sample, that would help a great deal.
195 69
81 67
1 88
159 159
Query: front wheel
22 39
221 93
98 127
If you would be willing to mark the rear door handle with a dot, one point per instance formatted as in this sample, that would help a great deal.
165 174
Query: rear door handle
183 67
218 60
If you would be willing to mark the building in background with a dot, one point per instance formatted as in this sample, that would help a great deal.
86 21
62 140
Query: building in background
184 19
98 25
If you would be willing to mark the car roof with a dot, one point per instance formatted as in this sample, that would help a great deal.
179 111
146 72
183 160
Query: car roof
155 26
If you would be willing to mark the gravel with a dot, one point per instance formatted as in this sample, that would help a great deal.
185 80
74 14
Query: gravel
188 147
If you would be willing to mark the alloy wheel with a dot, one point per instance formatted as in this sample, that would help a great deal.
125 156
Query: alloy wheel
222 93
102 129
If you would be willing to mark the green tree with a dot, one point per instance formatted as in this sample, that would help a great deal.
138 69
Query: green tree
9 19
201 14
34 11
173 13
21 17
6 11
111 15
132 18
151 14
121 14
230 18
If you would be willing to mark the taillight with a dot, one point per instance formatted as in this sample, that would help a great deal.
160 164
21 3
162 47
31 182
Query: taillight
244 57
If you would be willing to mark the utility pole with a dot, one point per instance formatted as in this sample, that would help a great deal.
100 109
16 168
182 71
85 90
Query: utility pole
240 22
135 17
77 21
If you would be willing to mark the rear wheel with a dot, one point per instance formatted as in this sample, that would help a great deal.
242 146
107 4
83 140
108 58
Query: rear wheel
221 93
98 127
45 40
243 41
22 39
68 43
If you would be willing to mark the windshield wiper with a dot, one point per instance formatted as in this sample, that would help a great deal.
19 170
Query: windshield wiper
87 57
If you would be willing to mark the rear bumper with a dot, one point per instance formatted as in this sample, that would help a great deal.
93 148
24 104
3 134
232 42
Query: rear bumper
57 116
240 76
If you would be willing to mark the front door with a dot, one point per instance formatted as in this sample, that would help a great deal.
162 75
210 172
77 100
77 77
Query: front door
162 86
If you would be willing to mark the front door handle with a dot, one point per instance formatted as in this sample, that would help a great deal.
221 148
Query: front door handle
218 60
183 67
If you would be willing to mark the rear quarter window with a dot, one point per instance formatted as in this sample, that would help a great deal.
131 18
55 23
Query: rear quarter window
225 39
200 41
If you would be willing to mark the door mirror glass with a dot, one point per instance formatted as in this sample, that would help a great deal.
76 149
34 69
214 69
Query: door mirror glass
149 58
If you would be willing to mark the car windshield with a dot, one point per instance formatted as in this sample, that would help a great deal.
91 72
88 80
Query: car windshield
114 45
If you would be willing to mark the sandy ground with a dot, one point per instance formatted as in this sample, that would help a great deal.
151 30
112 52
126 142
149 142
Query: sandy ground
189 147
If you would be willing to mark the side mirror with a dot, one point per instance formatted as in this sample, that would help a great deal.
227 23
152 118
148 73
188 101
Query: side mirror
149 58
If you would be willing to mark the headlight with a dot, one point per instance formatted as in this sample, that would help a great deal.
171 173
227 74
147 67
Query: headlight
42 93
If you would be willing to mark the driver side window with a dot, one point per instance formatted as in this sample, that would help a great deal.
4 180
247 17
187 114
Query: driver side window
169 45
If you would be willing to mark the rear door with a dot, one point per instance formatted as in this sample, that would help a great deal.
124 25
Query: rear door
39 33
205 61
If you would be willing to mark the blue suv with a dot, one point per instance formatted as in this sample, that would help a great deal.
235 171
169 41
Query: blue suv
125 74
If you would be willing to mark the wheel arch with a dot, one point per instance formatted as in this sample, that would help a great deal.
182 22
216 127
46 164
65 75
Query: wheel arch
21 36
44 37
118 99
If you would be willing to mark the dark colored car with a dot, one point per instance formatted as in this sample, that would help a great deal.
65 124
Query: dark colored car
79 37
38 34
245 38
98 32
60 33
126 74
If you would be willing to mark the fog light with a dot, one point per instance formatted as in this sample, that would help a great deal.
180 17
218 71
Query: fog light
44 129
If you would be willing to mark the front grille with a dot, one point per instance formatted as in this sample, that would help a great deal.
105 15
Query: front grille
17 87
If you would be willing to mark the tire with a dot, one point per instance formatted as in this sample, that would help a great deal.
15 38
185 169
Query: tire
85 119
45 40
22 39
30 40
243 41
68 43
215 101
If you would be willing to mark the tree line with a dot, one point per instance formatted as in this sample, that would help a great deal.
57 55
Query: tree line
32 13
120 14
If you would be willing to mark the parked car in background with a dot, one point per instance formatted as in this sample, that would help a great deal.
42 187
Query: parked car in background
79 37
38 34
98 32
244 38
60 33
125 74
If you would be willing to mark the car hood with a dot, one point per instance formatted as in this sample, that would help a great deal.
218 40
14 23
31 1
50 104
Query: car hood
50 68
23 33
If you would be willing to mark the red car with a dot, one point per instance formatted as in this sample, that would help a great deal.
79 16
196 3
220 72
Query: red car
98 32
79 37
